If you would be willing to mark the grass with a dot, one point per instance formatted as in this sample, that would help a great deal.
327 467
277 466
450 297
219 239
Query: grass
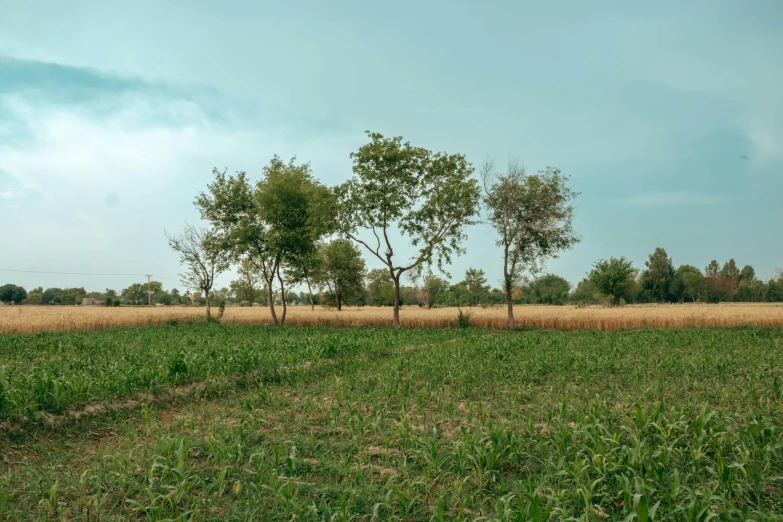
363 424
31 319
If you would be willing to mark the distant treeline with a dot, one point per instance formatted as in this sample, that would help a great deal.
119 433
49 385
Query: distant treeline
612 281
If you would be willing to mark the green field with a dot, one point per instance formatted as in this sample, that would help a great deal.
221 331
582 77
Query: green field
209 422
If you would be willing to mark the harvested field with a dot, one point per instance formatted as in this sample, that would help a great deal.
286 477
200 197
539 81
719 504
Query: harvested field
57 318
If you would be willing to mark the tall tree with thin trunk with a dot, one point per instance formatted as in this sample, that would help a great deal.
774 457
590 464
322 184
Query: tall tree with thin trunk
403 192
231 206
532 214
203 255
273 223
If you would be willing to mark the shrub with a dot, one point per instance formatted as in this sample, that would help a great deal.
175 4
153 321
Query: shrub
464 319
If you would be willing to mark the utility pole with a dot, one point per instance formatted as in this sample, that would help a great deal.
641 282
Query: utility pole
149 290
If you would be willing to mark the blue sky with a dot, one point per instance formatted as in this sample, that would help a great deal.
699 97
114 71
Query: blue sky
667 117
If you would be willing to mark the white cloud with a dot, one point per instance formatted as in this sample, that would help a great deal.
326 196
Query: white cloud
670 199
12 194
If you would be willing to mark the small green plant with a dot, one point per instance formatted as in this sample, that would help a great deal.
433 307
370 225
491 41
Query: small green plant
221 309
464 319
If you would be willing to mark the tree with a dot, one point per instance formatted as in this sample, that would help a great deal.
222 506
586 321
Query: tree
33 298
459 295
476 283
247 285
204 257
397 189
730 269
531 214
549 289
342 271
747 274
690 283
298 212
274 223
380 287
429 288
12 294
62 296
613 277
142 293
586 292
303 270
659 274
721 283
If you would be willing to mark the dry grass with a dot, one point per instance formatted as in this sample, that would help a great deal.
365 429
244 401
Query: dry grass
36 319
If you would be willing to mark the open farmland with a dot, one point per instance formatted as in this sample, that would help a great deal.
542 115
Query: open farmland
31 319
209 422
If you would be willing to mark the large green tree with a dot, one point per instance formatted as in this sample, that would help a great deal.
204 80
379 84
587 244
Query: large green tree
533 217
12 294
403 192
142 293
549 289
613 277
659 276
275 222
689 283
341 272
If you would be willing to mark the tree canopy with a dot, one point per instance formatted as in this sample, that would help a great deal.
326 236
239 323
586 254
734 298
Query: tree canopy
399 192
532 216
613 277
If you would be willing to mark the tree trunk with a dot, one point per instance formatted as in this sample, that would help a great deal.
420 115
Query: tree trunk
282 296
271 298
209 312
310 291
509 283
397 301
510 305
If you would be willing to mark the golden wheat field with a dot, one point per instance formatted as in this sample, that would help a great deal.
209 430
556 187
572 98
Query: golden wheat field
31 319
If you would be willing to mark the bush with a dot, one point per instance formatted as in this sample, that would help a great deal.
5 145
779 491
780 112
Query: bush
464 319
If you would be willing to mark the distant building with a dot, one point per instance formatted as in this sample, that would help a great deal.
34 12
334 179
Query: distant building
89 301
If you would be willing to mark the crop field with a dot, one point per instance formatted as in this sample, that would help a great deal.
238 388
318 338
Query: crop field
31 319
240 422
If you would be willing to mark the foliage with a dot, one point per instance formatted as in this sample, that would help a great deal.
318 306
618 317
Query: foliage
464 318
689 283
247 286
532 215
137 293
274 223
405 191
12 294
659 276
613 277
549 289
203 256
476 283
350 424
341 272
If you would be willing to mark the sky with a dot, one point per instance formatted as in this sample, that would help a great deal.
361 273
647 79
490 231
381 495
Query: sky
667 116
